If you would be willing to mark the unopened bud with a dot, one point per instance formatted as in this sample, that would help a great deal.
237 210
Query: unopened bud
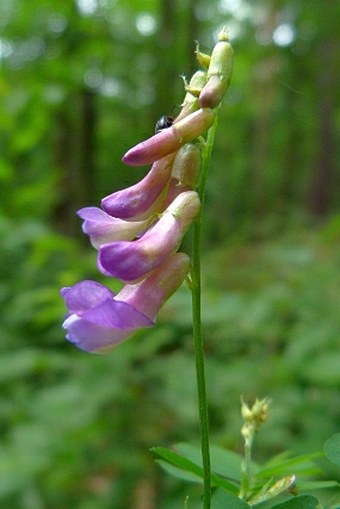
195 124
187 164
219 73
193 89
256 415
185 207
223 35
170 140
247 414
202 58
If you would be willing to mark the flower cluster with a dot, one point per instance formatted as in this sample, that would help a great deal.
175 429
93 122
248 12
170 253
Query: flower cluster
138 230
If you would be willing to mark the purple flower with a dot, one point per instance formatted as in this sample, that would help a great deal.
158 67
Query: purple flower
103 228
131 260
143 198
97 319
139 229
169 140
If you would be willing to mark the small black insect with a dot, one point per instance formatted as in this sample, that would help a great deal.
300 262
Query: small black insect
163 123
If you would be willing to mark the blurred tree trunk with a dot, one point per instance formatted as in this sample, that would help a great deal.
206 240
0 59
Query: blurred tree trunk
64 214
87 130
75 144
192 36
75 158
176 39
264 93
323 177
166 68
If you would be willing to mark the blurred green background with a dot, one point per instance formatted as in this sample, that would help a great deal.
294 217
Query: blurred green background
81 81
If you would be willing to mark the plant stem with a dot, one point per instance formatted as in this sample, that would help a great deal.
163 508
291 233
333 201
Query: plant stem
199 359
245 466
197 322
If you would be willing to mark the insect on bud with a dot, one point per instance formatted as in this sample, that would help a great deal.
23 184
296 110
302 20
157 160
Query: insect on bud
163 123
169 140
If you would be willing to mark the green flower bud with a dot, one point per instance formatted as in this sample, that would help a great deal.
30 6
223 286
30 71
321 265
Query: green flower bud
202 58
194 125
219 73
193 89
254 416
187 164
223 35
221 63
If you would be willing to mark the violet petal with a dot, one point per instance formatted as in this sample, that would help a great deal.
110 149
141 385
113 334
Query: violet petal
95 303
103 228
92 337
116 314
85 295
130 261
135 200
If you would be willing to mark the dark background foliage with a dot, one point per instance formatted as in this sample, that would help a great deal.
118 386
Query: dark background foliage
80 83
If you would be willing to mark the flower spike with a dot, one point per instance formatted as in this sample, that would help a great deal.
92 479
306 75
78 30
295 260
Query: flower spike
138 230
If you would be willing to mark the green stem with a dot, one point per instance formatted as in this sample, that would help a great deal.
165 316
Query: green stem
197 322
245 466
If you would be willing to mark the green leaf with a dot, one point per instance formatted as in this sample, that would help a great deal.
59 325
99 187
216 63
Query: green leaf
315 485
188 466
224 462
303 502
283 465
332 449
179 473
223 500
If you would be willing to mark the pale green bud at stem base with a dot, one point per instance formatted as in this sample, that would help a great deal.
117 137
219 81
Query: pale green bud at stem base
187 164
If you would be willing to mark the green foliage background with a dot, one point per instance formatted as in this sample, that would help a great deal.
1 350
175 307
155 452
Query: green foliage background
81 82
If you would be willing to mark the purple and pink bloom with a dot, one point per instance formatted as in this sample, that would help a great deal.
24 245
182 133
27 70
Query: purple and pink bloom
137 233
138 230
98 319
